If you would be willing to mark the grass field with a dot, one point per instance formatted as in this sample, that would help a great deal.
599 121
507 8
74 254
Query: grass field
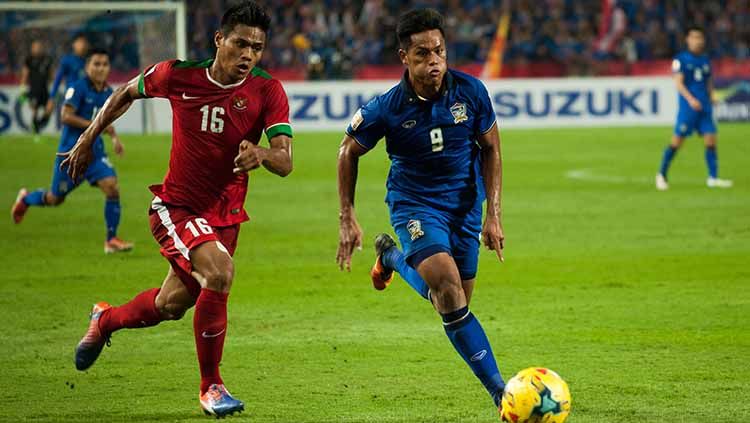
639 299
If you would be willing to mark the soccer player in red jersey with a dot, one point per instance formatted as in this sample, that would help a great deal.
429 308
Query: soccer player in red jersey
220 109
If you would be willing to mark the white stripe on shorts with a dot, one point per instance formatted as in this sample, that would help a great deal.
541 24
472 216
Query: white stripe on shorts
166 220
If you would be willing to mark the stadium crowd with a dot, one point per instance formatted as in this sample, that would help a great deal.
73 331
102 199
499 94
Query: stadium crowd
332 37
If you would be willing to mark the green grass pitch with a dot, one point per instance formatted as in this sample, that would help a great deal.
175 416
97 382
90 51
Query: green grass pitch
639 299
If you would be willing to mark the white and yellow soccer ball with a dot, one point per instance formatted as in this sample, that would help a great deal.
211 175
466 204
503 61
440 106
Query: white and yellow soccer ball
535 395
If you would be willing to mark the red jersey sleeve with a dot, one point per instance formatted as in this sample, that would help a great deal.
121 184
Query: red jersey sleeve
154 80
276 112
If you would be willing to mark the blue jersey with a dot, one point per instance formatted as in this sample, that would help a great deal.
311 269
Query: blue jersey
72 69
696 71
86 101
435 158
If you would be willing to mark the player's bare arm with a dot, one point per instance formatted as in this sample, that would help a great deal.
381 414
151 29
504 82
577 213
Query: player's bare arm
679 79
350 233
276 159
492 172
78 158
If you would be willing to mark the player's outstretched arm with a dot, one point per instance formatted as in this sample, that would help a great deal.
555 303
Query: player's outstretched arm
492 172
350 233
79 157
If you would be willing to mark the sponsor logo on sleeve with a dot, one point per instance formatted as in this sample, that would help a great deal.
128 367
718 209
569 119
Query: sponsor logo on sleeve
357 120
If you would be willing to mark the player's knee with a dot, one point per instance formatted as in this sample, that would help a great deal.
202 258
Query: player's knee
220 278
53 200
447 288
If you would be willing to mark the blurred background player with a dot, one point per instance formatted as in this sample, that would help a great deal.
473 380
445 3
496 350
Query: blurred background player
82 100
442 138
221 108
71 69
692 75
35 77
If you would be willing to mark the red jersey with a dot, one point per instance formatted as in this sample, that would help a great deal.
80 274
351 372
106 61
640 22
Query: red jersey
209 121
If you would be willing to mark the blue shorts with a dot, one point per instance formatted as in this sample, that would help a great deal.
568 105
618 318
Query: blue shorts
99 169
425 231
689 120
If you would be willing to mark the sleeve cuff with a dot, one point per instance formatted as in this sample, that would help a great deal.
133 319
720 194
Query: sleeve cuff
279 129
142 85
357 140
494 122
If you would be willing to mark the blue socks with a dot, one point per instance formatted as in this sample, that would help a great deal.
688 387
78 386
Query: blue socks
394 259
666 160
470 341
712 162
35 198
112 216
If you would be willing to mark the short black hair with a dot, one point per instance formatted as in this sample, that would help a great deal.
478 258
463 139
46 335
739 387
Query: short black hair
94 51
78 36
247 13
416 21
691 28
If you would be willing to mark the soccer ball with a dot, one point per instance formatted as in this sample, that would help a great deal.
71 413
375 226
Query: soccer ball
535 395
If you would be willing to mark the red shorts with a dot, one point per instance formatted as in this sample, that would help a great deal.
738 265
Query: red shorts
179 230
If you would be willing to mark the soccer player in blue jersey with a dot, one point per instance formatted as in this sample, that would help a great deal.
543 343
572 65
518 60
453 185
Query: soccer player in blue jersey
82 100
72 68
442 139
692 75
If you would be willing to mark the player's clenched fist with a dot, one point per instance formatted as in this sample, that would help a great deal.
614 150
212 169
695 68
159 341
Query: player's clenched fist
250 157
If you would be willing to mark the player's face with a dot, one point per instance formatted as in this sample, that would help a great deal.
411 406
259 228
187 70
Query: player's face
695 41
80 45
426 57
97 68
238 52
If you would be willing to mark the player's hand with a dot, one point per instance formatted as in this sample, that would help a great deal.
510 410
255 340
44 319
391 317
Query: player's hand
350 237
77 159
117 146
250 157
492 235
695 104
110 130
50 107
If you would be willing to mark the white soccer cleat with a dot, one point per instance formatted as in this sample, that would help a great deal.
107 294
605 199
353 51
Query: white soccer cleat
661 182
719 183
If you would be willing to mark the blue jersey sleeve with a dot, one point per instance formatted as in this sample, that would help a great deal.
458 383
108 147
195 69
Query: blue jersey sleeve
367 126
485 113
74 95
59 76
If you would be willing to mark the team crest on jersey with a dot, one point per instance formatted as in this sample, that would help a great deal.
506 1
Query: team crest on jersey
458 111
415 229
239 103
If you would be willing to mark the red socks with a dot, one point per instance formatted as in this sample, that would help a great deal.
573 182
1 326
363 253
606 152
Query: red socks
210 328
140 312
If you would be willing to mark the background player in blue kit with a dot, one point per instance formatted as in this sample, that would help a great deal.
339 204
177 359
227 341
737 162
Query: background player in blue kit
71 69
443 142
692 74
82 100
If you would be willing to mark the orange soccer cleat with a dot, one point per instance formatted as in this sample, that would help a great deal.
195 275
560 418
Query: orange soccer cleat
94 340
116 245
380 274
18 211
